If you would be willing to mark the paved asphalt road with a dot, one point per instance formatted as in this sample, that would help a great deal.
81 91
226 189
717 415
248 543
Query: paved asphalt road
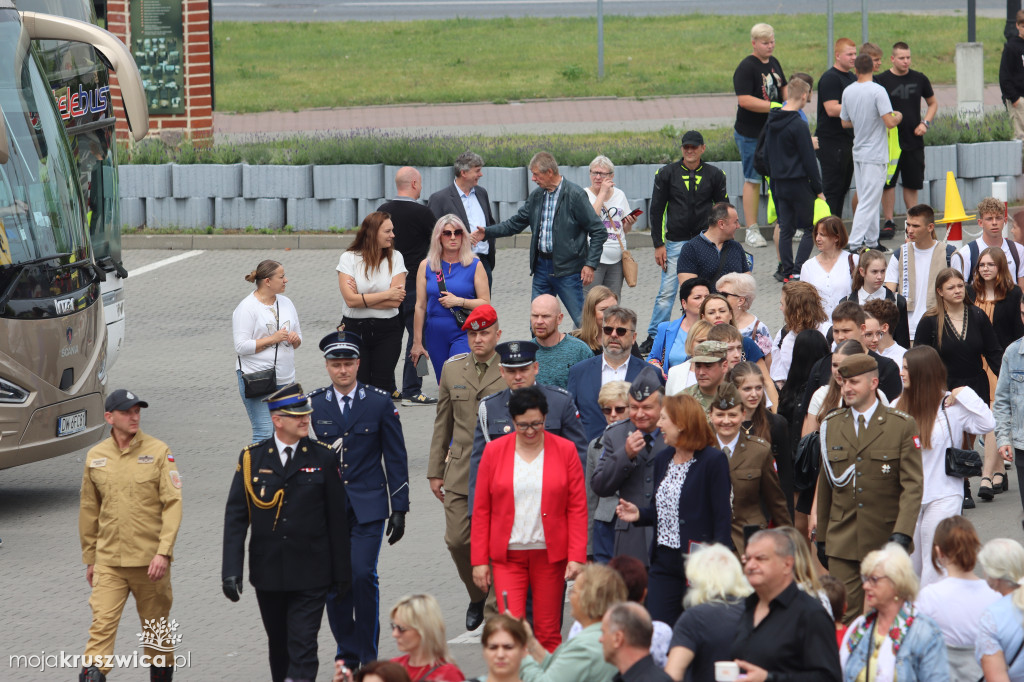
405 10
179 359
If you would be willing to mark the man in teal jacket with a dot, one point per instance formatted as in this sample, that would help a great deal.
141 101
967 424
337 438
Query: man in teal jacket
561 218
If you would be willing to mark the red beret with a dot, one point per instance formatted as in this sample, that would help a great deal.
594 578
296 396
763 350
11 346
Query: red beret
482 317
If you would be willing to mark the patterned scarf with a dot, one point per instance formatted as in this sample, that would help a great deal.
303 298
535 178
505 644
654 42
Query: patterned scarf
887 654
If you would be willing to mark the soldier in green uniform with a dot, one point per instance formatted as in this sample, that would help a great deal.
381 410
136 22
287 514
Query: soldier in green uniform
466 379
870 484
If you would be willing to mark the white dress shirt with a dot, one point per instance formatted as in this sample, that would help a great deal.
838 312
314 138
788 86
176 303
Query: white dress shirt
609 373
475 216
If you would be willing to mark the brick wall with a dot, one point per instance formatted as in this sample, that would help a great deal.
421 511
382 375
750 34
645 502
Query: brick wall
197 121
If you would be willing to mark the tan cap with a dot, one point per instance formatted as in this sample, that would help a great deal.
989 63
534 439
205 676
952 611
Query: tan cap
855 365
710 351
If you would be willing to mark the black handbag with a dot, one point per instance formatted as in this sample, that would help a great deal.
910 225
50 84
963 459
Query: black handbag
807 461
458 311
959 462
263 382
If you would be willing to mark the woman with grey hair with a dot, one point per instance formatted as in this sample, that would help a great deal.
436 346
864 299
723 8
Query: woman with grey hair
610 204
1000 635
740 288
714 605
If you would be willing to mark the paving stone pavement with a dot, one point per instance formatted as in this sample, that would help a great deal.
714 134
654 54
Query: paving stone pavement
179 358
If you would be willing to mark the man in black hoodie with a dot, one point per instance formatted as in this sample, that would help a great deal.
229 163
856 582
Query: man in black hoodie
1011 77
794 176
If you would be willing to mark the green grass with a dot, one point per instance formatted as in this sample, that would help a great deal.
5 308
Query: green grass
294 66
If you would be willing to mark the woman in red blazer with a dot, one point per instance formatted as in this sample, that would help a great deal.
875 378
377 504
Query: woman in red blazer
530 517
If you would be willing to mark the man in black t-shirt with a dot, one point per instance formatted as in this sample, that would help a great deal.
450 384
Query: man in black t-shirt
906 89
758 81
835 143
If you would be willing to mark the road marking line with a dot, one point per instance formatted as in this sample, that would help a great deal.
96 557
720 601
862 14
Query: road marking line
468 637
160 263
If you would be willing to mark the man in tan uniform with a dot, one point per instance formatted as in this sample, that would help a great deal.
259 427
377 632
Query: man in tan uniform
128 520
870 485
465 380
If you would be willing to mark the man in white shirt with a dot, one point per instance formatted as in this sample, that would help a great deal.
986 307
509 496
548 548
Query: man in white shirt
881 318
991 218
914 266
867 109
468 200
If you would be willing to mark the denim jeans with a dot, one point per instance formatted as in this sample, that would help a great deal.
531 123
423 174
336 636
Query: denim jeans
669 290
569 288
259 415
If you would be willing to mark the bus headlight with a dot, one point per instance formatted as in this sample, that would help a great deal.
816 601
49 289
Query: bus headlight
12 393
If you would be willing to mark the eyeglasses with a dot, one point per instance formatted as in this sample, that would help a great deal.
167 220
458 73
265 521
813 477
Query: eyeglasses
617 409
600 174
873 579
616 331
402 629
448 234
986 265
727 294
529 426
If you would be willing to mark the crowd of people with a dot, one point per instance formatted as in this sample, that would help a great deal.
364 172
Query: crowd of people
720 502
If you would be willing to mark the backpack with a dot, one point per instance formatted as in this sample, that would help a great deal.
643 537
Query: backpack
975 252
761 154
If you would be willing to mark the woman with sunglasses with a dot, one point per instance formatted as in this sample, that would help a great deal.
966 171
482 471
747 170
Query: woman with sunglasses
614 401
451 281
530 517
417 624
610 204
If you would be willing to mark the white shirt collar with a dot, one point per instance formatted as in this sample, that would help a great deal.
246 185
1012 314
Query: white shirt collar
351 394
280 449
867 413
731 444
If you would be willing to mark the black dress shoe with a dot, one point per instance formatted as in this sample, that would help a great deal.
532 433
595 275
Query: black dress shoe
475 614
646 346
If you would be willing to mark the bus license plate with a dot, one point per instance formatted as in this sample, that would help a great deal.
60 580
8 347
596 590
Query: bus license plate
69 424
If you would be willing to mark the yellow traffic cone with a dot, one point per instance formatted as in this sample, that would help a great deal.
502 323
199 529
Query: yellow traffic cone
953 214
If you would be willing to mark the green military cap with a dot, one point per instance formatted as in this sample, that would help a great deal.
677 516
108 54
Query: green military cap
858 364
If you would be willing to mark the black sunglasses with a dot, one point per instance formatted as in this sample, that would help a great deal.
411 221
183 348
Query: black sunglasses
617 409
617 331
448 234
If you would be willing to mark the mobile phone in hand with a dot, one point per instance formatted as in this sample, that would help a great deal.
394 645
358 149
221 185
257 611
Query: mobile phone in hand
422 369
636 213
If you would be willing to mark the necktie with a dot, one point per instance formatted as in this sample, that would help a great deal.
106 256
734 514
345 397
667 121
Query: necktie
861 426
648 442
288 455
481 367
345 403
727 450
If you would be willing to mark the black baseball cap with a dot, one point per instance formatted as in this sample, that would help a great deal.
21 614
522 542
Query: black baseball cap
122 399
692 137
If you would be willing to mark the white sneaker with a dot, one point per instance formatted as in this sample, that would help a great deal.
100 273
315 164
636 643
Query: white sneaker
754 238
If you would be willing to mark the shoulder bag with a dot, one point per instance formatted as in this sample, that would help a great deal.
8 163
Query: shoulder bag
959 462
263 382
629 265
458 311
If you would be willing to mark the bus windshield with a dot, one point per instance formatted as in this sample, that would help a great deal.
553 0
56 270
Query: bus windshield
41 215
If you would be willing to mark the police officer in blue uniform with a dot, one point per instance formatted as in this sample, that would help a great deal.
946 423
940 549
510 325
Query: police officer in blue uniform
519 369
361 424
288 489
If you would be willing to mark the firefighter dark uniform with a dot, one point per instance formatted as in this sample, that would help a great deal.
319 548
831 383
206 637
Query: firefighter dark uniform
130 512
363 428
299 546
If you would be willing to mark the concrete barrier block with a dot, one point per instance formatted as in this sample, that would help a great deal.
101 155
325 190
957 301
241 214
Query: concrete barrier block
938 160
348 181
256 242
145 181
507 209
133 212
636 180
321 214
194 213
282 182
505 184
366 206
332 241
641 203
983 159
177 242
238 214
206 180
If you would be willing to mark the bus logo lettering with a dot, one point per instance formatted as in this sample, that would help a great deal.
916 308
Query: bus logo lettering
77 104
64 306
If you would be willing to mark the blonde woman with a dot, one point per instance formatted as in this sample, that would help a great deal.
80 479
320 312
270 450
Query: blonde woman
450 281
417 624
614 402
714 604
598 300
681 376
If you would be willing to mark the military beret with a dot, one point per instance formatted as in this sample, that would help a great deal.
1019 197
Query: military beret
482 317
857 364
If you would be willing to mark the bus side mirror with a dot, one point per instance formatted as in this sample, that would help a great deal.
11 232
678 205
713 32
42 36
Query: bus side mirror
114 53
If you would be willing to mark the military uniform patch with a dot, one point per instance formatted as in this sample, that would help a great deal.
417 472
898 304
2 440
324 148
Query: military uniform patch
175 478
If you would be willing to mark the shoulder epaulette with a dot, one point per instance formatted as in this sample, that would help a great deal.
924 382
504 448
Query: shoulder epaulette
899 413
317 391
556 389
493 395
836 412
458 356
759 441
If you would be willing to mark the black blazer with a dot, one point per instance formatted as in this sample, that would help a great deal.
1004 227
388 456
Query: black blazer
303 544
888 377
447 200
705 507
1006 320
901 334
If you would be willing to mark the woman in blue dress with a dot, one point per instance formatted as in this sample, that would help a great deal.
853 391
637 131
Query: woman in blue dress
449 281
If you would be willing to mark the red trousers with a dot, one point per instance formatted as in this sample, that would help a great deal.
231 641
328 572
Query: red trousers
529 570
